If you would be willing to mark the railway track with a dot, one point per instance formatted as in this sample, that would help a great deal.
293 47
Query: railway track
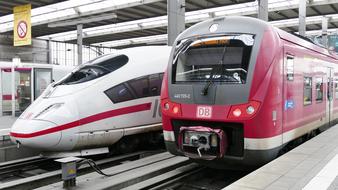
160 171
205 178
139 170
28 173
16 169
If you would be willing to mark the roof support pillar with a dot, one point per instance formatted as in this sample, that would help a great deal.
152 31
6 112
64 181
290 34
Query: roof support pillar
263 10
302 17
324 30
79 43
176 19
50 53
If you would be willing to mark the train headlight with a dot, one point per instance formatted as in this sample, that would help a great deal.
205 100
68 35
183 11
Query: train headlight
250 110
48 109
166 106
171 108
176 109
237 112
244 111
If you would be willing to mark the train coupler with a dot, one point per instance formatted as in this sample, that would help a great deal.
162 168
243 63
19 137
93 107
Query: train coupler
201 142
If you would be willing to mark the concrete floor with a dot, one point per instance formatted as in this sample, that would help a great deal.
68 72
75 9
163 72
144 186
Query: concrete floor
310 166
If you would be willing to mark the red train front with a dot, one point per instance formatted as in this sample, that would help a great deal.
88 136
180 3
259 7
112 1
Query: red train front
226 93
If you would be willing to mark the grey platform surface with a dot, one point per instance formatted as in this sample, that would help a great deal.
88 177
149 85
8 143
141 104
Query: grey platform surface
312 165
6 123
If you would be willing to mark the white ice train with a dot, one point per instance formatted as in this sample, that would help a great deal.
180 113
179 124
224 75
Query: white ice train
100 102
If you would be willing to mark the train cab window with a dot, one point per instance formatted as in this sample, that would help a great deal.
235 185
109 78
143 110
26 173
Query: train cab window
113 63
222 59
319 89
119 93
95 68
307 90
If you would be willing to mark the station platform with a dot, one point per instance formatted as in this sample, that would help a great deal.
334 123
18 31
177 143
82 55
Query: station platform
310 166
8 150
5 124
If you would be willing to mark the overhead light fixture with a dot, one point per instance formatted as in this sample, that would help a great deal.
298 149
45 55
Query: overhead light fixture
164 37
67 10
85 20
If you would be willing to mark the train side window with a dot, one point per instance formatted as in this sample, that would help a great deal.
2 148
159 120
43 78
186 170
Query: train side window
307 90
319 89
140 86
336 87
289 68
155 82
119 93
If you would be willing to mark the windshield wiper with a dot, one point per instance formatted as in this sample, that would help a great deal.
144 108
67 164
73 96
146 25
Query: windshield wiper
214 74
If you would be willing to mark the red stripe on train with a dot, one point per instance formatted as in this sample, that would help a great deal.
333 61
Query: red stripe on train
86 120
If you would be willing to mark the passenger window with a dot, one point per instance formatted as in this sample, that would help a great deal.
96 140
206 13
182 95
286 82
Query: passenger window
140 86
119 93
155 82
319 89
307 90
289 68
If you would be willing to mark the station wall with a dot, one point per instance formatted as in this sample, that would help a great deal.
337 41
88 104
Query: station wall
36 53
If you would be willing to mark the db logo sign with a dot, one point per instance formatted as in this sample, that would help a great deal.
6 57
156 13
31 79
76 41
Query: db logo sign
204 111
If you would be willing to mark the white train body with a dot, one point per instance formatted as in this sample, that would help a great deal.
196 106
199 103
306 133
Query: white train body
97 112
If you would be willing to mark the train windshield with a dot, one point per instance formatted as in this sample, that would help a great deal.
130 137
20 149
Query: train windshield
220 59
94 69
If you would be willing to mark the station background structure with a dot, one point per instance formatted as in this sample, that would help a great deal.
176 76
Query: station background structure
106 25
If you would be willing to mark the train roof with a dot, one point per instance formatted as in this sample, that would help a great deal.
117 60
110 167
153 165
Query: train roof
230 24
234 24
304 43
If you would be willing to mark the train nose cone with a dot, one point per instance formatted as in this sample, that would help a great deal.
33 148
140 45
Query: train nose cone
38 134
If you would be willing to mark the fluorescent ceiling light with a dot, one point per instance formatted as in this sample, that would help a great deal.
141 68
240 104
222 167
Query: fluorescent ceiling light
140 40
190 17
309 20
71 9
163 39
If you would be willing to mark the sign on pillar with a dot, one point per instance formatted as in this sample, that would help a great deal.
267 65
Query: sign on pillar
22 25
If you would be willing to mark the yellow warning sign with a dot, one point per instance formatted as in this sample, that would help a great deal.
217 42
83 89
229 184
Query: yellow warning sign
22 25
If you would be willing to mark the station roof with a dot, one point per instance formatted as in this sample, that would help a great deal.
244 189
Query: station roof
6 7
122 22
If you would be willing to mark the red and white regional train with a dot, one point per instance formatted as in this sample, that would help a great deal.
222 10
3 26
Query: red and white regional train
237 90
97 104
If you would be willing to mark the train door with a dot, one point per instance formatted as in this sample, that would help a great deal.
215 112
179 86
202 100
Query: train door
22 88
290 95
329 96
42 78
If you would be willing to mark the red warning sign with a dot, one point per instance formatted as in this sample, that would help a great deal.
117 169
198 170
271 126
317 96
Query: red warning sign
22 29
